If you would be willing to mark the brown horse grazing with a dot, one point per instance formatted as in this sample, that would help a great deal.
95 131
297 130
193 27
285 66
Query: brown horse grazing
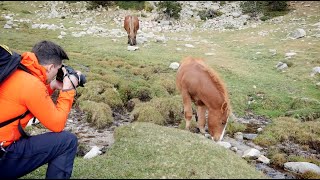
200 84
131 25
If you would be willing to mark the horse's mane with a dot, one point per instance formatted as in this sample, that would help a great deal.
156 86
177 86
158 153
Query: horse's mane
131 24
215 78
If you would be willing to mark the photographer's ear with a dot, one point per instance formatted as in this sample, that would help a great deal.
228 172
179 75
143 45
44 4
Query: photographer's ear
49 67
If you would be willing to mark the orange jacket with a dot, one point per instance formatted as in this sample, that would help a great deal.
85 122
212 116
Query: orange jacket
23 91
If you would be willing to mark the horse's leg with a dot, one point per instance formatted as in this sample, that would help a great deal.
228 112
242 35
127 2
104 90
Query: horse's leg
135 37
187 108
202 118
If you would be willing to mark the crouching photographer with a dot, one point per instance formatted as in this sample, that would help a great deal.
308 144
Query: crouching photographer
25 94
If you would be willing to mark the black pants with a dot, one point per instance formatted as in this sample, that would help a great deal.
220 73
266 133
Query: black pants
26 155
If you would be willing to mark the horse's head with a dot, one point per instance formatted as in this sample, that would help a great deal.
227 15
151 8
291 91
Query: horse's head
132 39
217 123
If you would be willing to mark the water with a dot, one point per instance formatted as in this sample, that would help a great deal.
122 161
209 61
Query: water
273 173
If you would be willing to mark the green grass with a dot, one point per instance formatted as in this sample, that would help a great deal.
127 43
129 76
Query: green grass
149 151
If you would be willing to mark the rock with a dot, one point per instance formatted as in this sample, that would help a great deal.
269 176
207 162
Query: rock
298 33
160 39
251 153
281 66
189 45
238 136
9 23
93 152
132 48
316 24
249 136
209 54
315 70
62 33
235 149
6 26
8 17
273 51
290 54
301 167
174 65
236 14
224 144
263 159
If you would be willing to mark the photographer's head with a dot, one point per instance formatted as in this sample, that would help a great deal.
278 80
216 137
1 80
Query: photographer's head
50 56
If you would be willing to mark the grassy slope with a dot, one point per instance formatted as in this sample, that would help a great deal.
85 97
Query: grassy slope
146 150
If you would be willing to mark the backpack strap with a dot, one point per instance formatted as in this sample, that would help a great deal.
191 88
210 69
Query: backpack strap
14 119
22 132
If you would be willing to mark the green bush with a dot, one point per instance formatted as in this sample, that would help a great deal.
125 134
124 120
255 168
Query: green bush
149 114
134 5
98 114
252 7
69 2
26 12
95 4
279 159
100 91
264 18
134 88
222 3
277 5
209 14
162 111
268 8
2 19
171 8
233 127
148 7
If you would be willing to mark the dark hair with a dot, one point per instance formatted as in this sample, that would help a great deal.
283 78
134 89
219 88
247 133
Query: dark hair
48 52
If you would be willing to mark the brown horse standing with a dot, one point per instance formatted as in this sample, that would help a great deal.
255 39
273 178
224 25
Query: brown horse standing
200 84
131 25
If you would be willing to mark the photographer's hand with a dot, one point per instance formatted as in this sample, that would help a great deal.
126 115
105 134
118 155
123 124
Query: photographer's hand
67 84
54 84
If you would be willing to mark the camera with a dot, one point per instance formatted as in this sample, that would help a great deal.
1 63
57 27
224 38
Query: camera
60 75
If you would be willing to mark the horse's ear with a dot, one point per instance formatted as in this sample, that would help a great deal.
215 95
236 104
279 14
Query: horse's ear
224 107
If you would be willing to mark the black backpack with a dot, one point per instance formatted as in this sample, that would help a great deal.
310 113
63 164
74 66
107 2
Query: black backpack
9 62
